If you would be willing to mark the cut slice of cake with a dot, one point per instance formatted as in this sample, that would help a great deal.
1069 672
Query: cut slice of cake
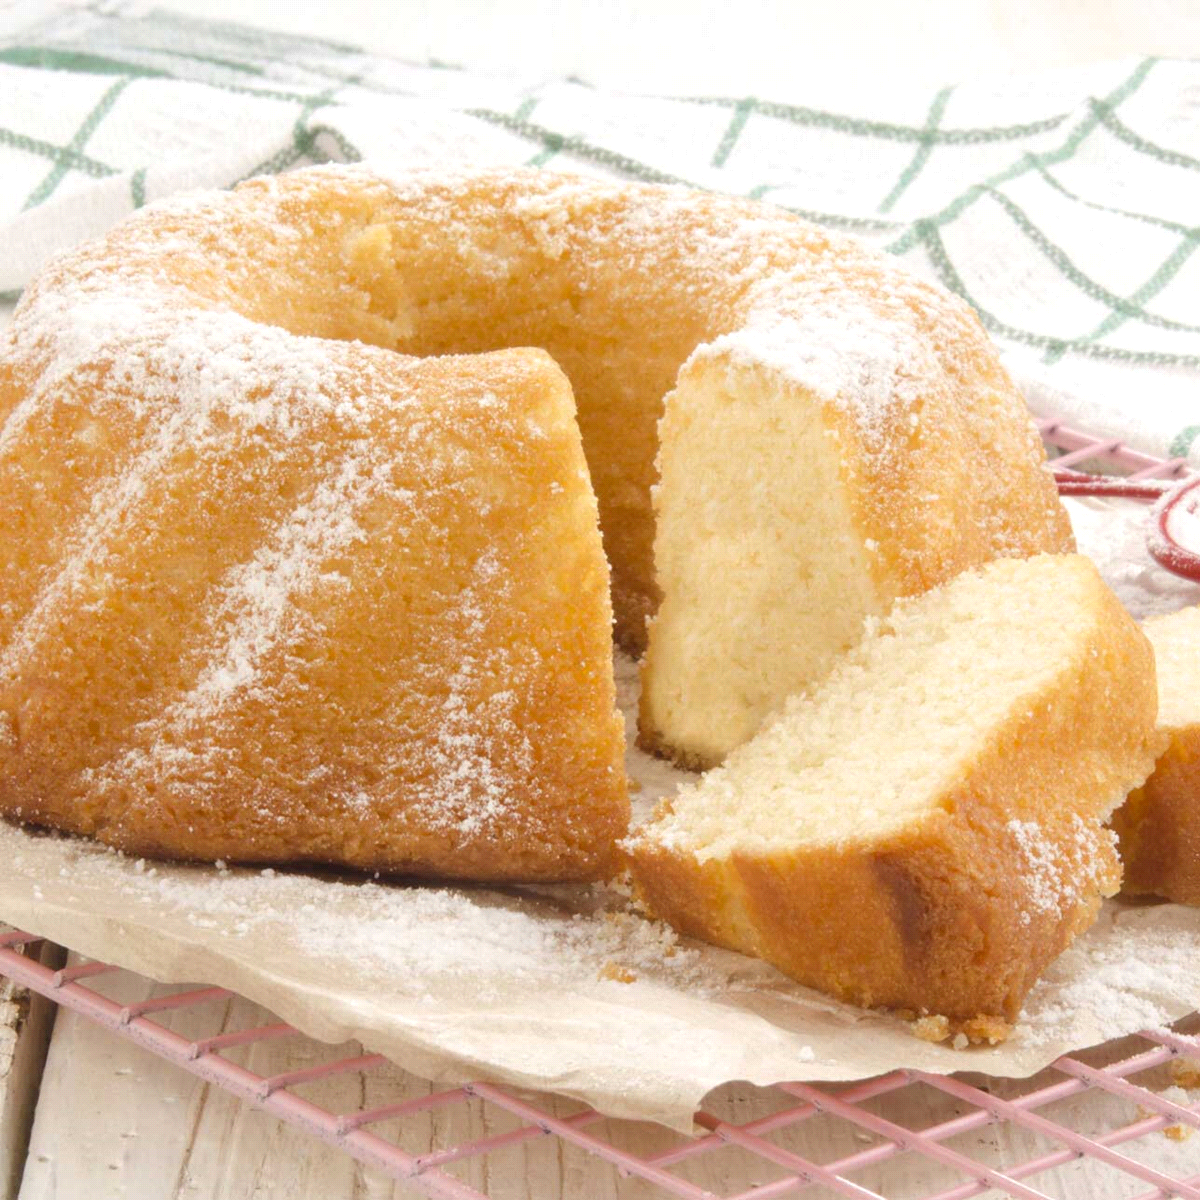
925 830
815 468
1159 825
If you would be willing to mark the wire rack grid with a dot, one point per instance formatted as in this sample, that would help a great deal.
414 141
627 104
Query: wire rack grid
1132 1078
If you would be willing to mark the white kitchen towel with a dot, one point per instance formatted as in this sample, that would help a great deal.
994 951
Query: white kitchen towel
1064 206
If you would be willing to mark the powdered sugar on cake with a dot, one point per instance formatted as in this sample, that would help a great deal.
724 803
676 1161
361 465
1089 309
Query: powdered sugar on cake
256 603
840 350
199 394
1056 871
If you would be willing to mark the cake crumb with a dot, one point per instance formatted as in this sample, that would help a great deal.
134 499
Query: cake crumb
933 1028
1176 1095
992 1030
617 973
1185 1073
8 733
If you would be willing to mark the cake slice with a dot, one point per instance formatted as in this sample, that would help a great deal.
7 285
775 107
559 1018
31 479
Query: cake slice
1159 825
814 469
925 830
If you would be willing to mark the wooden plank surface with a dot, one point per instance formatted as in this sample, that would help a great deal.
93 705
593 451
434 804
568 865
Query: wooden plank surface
115 1123
25 1024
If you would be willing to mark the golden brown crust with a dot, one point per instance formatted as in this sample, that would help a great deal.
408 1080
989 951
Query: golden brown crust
939 469
948 916
606 278
372 631
653 742
1159 825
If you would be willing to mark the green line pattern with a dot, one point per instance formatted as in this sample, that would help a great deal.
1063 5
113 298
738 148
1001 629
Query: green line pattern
741 114
1134 306
1108 118
301 89
936 109
1116 210
1029 161
1089 287
64 154
554 143
888 130
62 161
49 59
931 239
1184 440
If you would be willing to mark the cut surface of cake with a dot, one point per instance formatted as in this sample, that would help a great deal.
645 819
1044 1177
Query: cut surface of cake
816 465
1159 825
925 829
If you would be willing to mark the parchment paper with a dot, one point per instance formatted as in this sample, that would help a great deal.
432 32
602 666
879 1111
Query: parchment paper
567 989
456 985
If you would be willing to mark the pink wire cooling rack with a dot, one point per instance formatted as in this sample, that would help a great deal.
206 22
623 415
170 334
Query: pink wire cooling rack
1127 1083
863 1106
1131 475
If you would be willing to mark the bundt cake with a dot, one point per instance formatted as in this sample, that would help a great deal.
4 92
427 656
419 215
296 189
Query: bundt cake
1159 825
274 590
924 830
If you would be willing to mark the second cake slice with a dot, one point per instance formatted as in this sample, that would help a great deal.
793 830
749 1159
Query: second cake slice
925 830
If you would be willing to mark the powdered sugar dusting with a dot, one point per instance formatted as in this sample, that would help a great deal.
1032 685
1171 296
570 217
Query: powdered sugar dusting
778 293
1056 873
1113 534
426 942
188 380
254 604
1184 524
462 761
842 351
143 344
1137 968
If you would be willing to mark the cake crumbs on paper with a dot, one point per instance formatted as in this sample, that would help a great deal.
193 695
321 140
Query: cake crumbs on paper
1175 1095
987 1029
617 973
931 1028
1185 1073
934 1027
443 941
